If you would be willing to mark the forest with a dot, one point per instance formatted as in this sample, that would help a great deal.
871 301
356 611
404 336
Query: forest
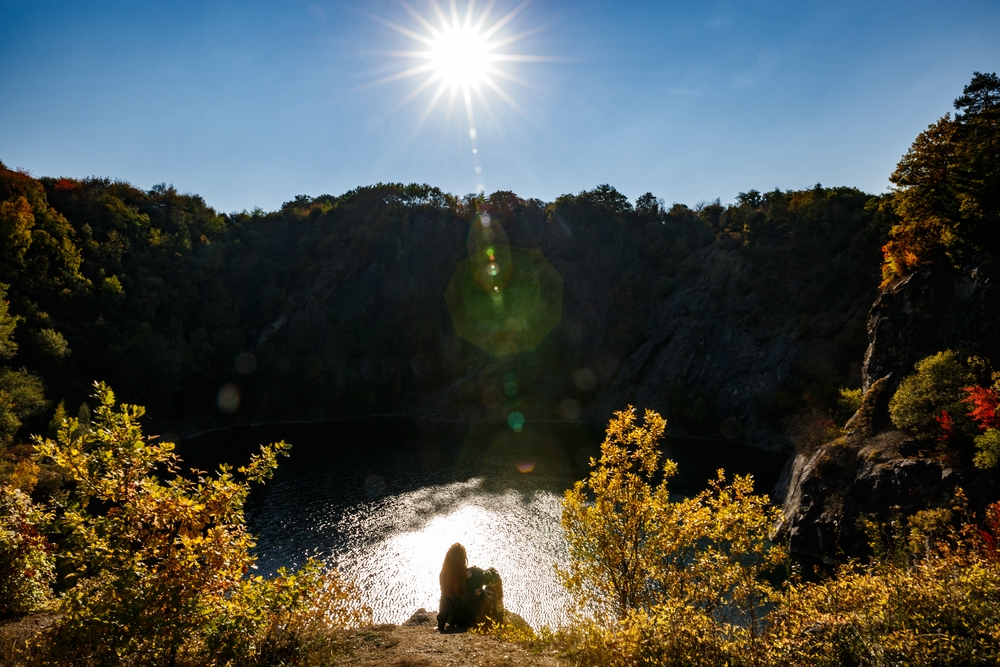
337 306
334 306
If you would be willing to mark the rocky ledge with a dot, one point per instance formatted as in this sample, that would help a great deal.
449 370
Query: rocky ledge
826 492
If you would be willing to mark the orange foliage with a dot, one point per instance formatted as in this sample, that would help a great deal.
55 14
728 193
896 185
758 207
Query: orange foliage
984 403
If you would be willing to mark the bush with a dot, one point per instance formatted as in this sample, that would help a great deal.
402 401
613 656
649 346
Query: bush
159 560
932 597
988 444
27 568
848 403
666 582
936 387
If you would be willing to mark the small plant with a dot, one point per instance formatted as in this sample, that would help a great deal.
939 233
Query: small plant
863 420
27 568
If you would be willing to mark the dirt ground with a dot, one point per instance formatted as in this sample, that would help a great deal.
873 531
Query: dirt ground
417 643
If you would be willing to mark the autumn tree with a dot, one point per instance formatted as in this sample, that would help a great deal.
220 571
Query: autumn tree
946 195
984 410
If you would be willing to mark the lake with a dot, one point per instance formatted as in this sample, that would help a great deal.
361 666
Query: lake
383 499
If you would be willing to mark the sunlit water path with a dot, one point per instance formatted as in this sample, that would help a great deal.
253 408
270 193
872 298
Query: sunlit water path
383 499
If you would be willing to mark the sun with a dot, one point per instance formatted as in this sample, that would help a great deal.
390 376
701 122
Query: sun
461 54
460 57
464 57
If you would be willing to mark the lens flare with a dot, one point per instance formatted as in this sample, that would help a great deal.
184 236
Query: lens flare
516 421
504 300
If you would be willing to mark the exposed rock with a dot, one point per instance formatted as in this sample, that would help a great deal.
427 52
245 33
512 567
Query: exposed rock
421 617
831 489
707 334
825 492
719 337
422 646
933 309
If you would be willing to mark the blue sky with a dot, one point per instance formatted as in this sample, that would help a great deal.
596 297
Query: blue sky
251 103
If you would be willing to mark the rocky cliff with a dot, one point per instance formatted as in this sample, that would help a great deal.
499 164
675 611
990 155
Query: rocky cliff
825 492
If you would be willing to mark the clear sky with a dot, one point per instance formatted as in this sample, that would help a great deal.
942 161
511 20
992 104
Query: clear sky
251 103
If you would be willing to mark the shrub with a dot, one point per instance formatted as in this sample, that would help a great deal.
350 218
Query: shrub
935 387
27 568
159 560
865 419
666 582
930 597
942 611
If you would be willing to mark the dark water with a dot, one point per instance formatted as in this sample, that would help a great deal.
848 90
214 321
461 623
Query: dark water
383 498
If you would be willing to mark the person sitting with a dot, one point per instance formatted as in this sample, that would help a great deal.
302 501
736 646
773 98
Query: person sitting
452 610
469 595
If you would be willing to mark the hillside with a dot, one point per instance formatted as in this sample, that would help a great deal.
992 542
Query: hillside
743 315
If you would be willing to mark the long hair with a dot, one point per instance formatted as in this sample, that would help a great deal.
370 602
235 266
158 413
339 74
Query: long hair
453 571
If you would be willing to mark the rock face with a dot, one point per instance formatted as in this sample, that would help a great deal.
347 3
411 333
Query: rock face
829 490
709 349
825 492
724 340
931 310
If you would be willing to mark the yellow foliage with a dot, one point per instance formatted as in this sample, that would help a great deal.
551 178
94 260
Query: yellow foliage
27 568
25 475
662 578
942 610
159 560
612 518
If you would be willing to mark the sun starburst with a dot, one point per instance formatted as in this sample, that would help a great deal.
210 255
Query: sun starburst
460 54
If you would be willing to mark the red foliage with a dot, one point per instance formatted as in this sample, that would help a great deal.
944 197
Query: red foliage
990 532
947 428
984 404
64 185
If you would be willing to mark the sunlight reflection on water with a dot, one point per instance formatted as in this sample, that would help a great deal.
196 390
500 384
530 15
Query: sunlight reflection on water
386 515
383 499
516 533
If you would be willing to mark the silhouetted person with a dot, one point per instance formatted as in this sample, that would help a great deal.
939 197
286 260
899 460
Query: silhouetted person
469 595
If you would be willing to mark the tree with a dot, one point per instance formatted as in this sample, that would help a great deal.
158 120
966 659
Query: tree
611 539
947 186
21 393
8 323
978 172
